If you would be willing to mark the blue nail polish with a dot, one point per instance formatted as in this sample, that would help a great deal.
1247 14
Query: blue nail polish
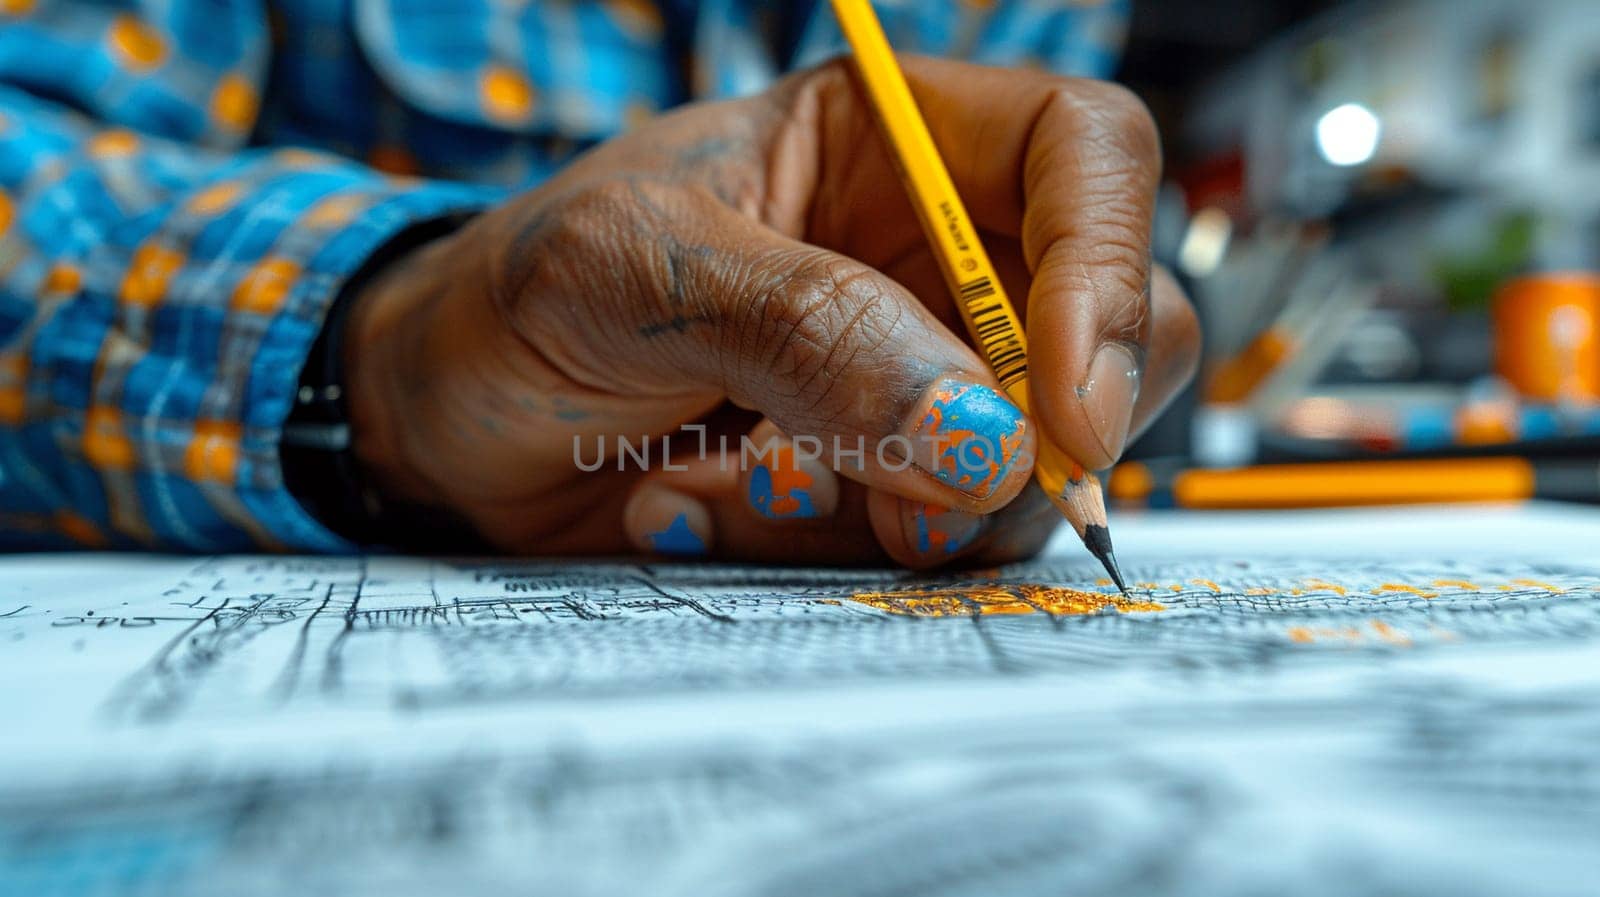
970 436
940 531
678 538
778 489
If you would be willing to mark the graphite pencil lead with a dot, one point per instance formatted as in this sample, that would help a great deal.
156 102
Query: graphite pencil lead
1098 540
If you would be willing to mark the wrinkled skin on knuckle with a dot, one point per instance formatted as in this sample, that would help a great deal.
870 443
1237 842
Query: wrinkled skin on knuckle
1110 275
812 337
1120 239
1113 119
1113 154
1109 138
576 278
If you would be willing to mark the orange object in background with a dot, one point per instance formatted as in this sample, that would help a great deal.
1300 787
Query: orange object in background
1237 378
1329 484
1547 336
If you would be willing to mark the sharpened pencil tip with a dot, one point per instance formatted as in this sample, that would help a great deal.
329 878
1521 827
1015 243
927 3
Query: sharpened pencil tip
1098 540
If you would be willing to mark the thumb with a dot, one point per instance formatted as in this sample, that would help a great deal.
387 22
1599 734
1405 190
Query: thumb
849 364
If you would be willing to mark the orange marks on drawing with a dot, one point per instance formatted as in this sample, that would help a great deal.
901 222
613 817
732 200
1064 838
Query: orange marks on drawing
1455 584
1402 587
1389 634
1320 584
970 601
1536 584
1373 631
1208 584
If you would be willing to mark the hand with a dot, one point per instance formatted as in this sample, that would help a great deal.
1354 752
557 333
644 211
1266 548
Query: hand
756 266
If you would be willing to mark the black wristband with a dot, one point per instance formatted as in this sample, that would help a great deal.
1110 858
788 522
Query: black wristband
320 468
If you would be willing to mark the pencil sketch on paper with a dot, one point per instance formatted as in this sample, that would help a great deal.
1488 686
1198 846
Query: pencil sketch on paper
495 727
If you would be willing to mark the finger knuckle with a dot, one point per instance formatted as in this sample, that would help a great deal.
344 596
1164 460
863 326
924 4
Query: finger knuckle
1123 118
583 244
821 318
1111 124
1108 277
586 210
583 224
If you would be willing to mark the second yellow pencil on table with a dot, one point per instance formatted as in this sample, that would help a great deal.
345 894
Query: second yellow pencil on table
967 271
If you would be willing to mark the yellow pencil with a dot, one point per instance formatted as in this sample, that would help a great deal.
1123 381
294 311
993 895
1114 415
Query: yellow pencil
970 277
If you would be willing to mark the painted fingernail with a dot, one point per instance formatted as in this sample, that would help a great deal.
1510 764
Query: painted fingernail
786 484
667 522
1108 396
938 532
967 436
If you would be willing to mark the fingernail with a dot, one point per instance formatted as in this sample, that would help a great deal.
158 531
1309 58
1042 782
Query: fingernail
938 532
667 522
788 485
967 436
1108 396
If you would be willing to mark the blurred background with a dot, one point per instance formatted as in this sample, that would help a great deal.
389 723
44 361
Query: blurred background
1388 214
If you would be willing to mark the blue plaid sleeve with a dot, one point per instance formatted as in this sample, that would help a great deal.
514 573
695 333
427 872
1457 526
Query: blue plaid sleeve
161 285
157 302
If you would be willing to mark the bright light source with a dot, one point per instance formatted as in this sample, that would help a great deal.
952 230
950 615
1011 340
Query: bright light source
1348 134
1205 242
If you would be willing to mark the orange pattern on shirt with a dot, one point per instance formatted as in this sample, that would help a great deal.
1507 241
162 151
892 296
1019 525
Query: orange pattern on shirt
213 452
507 95
264 288
149 274
105 444
234 103
137 45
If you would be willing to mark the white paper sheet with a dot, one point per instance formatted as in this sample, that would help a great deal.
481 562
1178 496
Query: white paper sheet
1332 702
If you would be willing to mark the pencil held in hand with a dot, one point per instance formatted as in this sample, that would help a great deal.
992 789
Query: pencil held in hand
971 278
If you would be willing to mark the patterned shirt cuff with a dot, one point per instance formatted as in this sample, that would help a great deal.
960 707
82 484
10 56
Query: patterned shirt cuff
320 252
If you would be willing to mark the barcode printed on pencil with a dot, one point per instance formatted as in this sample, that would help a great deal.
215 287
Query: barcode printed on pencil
996 336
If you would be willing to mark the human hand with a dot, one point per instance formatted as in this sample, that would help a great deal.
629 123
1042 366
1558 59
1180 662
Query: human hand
756 266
